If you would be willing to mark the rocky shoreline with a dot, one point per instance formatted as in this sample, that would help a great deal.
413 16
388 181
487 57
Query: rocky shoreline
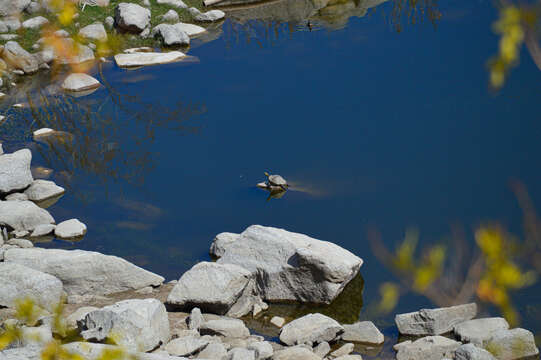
203 315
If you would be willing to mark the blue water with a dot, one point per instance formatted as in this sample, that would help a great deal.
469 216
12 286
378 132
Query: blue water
375 129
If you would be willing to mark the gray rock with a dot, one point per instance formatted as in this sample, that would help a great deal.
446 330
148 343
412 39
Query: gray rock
138 325
109 22
472 352
145 59
240 354
80 82
170 16
434 321
19 58
13 7
33 7
42 230
477 330
186 346
8 37
210 286
22 243
35 336
132 17
295 353
20 233
70 229
349 357
311 329
78 316
94 32
15 171
232 328
213 350
209 16
279 258
263 349
363 332
93 351
23 215
195 319
322 349
221 242
345 349
20 282
12 22
82 52
85 272
35 23
427 348
278 321
179 4
32 352
61 33
170 35
511 344
41 190
17 197
192 30
3 27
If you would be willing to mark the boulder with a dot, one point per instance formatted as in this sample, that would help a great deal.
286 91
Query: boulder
186 346
221 242
13 7
179 4
290 266
231 328
209 16
42 230
311 329
16 197
20 282
19 58
12 22
23 215
35 22
170 35
511 344
434 321
137 324
41 190
363 332
15 171
322 349
85 272
427 348
149 58
195 319
472 352
170 16
210 286
295 353
31 352
70 229
132 17
263 349
478 330
94 32
213 350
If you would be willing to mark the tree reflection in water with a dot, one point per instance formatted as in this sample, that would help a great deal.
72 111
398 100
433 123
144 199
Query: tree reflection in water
93 139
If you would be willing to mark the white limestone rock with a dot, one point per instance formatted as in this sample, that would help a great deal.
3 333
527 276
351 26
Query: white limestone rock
41 190
23 215
146 59
478 330
15 171
311 329
511 344
69 229
427 348
363 332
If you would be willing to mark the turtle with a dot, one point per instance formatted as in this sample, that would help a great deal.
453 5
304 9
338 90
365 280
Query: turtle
276 180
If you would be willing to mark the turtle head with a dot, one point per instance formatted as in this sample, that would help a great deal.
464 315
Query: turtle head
267 174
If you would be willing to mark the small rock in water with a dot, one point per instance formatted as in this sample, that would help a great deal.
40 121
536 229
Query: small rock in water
209 16
426 348
42 132
42 230
278 321
363 332
477 330
311 329
511 344
80 82
434 321
41 190
70 229
144 59
472 352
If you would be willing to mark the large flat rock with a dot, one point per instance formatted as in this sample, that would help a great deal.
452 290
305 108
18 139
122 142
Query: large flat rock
15 171
85 272
434 321
23 215
289 266
149 58
19 282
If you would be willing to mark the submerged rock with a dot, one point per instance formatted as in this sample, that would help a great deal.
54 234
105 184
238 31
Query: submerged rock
23 215
145 59
85 272
363 332
41 190
138 325
427 348
511 344
70 229
434 321
311 329
15 171
290 266
132 17
477 330
20 282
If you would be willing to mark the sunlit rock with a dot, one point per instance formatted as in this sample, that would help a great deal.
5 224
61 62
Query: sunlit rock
35 23
427 348
434 321
80 82
511 344
20 282
170 16
144 59
231 328
41 190
137 325
19 58
132 17
472 352
94 32
179 4
23 215
311 329
12 7
478 330
15 171
363 332
186 346
170 35
295 353
70 229
209 16
85 272
42 230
